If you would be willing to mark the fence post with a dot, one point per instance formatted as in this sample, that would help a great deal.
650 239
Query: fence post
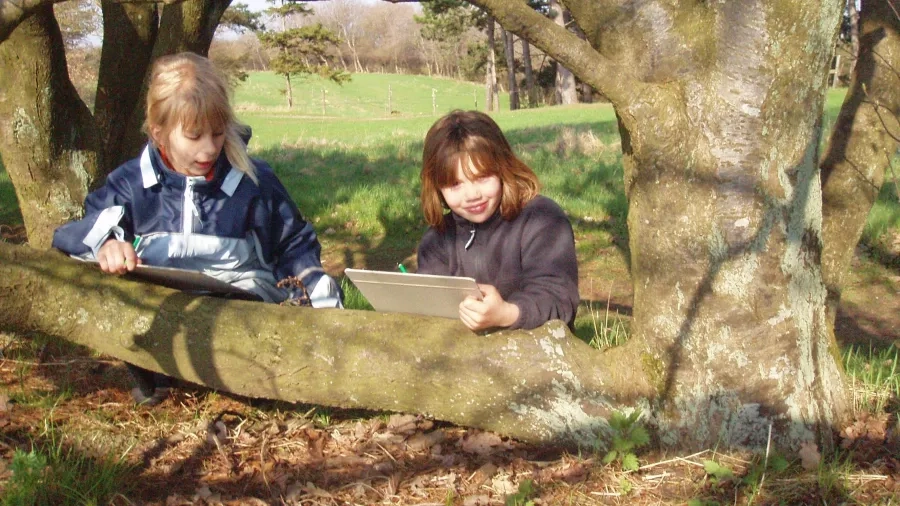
323 101
433 101
390 105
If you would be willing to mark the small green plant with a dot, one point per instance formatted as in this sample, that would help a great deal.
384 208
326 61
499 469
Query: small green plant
27 477
449 498
524 495
322 417
717 473
775 463
610 331
628 435
54 473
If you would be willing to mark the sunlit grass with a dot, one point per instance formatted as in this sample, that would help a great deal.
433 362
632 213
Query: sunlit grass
53 472
874 378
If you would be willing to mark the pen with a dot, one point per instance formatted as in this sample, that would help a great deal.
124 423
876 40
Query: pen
401 268
137 240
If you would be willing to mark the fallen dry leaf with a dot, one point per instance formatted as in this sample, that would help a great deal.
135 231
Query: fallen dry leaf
809 455
423 441
481 443
402 424
504 485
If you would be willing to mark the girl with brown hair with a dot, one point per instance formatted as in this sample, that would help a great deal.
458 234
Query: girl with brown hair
518 245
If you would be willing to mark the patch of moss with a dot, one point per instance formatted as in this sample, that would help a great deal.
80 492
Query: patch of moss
655 370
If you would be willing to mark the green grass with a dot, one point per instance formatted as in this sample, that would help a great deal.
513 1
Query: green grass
365 96
874 378
53 472
9 204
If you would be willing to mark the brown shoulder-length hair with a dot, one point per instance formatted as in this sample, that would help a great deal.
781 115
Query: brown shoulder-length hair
187 89
464 136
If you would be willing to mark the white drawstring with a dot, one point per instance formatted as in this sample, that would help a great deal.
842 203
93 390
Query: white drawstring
471 239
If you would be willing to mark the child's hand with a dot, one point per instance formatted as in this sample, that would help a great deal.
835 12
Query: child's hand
117 257
490 311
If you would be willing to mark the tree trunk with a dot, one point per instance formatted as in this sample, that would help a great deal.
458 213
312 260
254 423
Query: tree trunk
289 92
352 359
529 75
509 50
864 139
491 94
854 33
184 26
720 129
47 137
124 60
566 92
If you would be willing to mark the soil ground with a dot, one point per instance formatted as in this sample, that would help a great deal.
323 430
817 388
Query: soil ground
206 447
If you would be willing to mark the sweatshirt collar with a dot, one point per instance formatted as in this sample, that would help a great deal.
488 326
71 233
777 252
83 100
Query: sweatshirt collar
153 169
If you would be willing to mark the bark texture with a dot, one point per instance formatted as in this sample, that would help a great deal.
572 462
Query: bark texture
719 111
49 144
863 142
53 148
124 60
541 386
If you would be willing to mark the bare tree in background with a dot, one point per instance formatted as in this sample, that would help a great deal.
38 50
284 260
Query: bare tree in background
491 91
344 18
853 15
531 91
566 92
389 39
509 50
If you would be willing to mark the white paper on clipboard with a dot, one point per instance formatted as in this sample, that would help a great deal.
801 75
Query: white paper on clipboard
185 280
425 294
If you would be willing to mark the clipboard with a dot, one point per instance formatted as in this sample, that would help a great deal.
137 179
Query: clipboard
185 280
189 281
424 294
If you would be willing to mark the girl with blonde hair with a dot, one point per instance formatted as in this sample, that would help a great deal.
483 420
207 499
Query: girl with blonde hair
195 200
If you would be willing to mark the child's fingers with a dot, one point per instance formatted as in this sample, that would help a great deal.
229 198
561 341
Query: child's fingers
117 257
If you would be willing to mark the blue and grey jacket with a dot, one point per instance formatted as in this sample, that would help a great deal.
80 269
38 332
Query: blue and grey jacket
246 234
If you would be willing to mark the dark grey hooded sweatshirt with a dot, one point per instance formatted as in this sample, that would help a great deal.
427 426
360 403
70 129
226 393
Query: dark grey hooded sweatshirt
530 260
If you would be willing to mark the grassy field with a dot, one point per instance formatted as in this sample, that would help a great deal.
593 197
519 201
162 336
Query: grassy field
354 172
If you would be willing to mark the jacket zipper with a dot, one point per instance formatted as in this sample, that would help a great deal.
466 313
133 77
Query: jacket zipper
189 209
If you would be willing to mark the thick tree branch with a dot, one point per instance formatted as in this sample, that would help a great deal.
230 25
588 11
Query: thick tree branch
543 385
12 12
617 82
